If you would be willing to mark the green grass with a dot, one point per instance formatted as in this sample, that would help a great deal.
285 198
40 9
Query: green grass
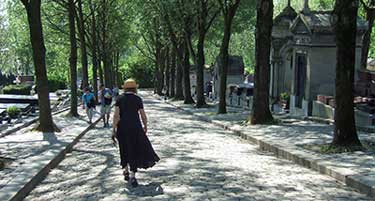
328 148
210 113
274 121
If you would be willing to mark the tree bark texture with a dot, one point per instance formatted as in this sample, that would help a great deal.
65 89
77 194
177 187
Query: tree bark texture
166 72
172 73
179 95
105 53
83 49
94 51
39 57
186 75
73 59
228 11
261 113
345 21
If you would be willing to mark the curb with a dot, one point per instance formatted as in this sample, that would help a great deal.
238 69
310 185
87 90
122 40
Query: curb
37 178
26 124
281 152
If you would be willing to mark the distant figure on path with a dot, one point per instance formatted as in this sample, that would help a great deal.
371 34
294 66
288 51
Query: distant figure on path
135 148
88 103
116 92
105 100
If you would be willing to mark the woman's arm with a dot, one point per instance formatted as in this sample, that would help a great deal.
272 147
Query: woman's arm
116 119
144 119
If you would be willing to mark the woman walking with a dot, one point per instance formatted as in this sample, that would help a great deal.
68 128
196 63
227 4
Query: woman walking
135 148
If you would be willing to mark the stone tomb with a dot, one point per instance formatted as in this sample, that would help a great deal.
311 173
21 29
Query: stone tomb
207 77
235 76
303 56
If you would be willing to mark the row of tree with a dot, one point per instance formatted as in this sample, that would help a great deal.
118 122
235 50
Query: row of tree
172 34
179 33
96 26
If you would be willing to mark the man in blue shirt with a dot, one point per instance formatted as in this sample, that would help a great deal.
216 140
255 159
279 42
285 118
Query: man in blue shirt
88 103
105 100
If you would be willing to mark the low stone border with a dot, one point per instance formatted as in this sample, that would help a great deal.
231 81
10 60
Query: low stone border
358 182
28 123
24 183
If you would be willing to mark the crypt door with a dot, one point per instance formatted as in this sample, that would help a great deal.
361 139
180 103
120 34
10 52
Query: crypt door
300 78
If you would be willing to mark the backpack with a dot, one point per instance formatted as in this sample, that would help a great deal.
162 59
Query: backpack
107 101
91 103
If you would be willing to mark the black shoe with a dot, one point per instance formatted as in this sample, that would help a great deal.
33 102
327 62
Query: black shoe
126 176
133 182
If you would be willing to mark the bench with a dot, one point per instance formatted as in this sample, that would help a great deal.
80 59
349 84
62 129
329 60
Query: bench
2 115
7 98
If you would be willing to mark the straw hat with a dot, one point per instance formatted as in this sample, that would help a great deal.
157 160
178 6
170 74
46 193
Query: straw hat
130 84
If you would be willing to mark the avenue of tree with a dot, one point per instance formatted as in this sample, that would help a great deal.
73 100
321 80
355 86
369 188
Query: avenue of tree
165 39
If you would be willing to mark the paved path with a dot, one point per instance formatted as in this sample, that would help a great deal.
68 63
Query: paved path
199 162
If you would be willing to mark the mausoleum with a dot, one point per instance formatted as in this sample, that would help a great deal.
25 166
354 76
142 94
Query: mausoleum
303 56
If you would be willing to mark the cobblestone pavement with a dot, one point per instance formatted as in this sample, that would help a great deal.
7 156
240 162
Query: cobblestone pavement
293 135
199 161
26 146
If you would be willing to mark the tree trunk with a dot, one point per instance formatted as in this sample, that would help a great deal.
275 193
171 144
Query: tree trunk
200 72
117 66
202 30
345 13
179 95
166 72
110 69
94 51
186 75
158 65
224 55
105 53
261 113
177 48
172 73
370 16
73 60
100 68
82 38
39 57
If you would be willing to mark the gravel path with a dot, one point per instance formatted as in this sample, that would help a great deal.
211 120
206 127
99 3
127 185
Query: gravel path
199 161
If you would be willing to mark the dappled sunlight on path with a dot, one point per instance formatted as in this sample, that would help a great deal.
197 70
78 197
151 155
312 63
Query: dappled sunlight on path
199 161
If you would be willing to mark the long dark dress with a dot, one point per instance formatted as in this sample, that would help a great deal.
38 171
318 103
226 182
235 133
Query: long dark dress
135 148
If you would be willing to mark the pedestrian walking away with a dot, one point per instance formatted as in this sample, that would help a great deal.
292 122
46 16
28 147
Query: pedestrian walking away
105 100
88 103
115 92
136 150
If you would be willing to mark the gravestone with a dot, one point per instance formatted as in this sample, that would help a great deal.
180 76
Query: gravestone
235 74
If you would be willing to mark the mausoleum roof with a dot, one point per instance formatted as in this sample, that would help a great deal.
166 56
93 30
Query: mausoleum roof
288 13
236 65
320 21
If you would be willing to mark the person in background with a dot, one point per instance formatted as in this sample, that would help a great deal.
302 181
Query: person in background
88 103
105 101
116 92
164 92
135 147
